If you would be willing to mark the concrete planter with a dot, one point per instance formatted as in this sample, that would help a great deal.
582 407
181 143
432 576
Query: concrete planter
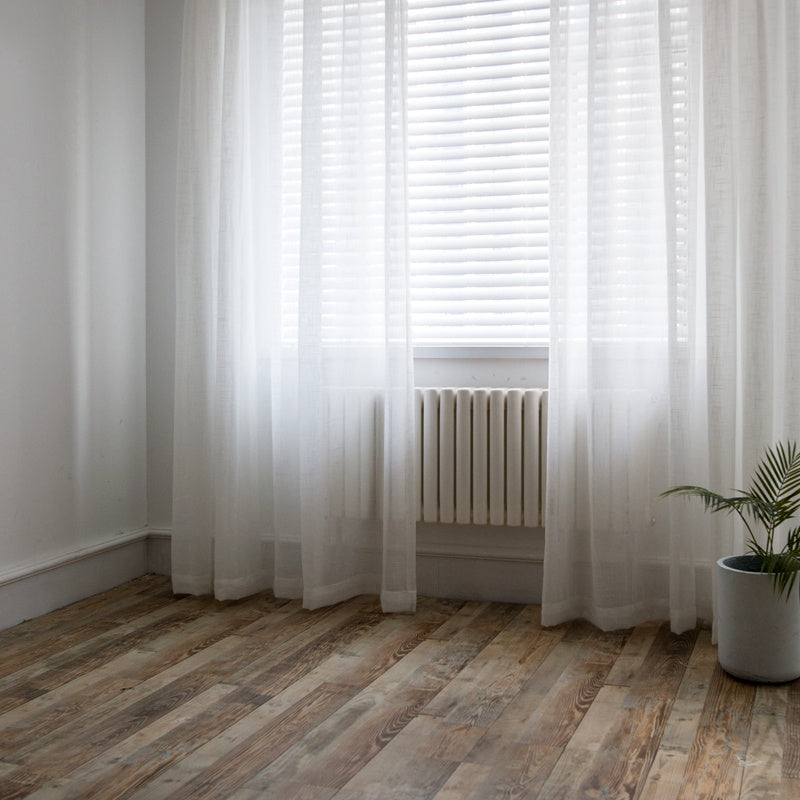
758 632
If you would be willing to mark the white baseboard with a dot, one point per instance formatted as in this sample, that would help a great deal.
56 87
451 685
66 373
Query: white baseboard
37 587
467 562
479 579
480 562
459 561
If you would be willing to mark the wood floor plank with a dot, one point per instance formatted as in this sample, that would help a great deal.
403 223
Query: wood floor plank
521 774
620 767
294 791
527 740
7 769
433 737
599 719
791 742
664 666
245 734
334 751
483 689
681 729
227 775
41 675
372 719
630 661
29 646
468 782
435 748
63 749
624 758
65 703
235 742
435 662
790 789
666 775
68 751
715 764
63 620
387 777
139 695
764 757
566 775
389 643
110 773
143 761
554 699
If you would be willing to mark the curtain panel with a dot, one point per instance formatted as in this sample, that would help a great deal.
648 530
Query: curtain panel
673 281
627 355
675 349
294 376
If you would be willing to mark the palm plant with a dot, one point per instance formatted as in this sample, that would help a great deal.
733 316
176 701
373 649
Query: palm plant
772 500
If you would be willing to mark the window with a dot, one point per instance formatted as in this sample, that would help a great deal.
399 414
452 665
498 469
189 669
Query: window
478 110
478 126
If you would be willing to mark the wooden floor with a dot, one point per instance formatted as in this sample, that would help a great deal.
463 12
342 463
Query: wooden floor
138 694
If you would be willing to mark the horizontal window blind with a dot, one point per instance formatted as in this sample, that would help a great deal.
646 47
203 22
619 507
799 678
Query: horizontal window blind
619 224
333 163
478 116
478 129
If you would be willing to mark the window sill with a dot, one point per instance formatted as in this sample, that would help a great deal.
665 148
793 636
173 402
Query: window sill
517 367
460 352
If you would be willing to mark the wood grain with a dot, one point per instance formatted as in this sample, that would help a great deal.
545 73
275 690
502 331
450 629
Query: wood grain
791 746
718 753
762 763
665 777
141 695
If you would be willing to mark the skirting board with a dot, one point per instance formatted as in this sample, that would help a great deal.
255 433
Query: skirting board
38 587
477 579
467 562
472 563
480 562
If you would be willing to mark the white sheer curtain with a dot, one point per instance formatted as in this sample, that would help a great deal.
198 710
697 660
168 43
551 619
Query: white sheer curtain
627 388
751 62
675 353
293 413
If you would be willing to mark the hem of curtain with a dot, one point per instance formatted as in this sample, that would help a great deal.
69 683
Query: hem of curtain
337 592
191 584
399 602
236 588
683 620
607 619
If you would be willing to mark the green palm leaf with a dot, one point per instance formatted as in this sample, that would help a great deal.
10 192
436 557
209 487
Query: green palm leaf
741 504
772 499
776 486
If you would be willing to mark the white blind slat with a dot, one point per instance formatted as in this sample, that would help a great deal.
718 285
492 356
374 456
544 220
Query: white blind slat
478 145
478 123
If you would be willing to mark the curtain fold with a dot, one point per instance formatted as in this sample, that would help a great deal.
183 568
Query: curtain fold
752 202
627 357
675 349
294 379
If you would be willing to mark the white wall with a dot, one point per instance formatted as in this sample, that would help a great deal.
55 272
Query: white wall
72 256
164 19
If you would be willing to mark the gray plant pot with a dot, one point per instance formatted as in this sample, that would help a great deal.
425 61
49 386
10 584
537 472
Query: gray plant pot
758 632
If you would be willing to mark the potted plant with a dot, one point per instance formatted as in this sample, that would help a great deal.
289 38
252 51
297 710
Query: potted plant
758 608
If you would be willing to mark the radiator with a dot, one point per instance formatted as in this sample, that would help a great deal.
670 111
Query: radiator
481 456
